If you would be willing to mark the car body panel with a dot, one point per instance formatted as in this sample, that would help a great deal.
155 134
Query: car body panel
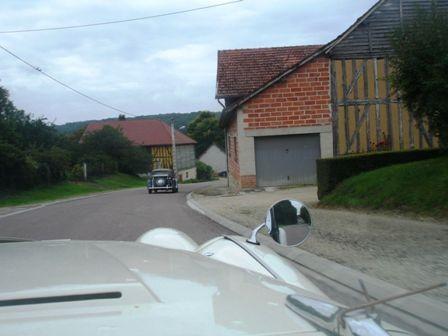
165 291
225 250
221 250
169 238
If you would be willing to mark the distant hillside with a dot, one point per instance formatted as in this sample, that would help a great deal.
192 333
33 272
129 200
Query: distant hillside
180 119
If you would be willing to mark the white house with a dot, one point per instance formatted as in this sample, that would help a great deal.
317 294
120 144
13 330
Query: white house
215 158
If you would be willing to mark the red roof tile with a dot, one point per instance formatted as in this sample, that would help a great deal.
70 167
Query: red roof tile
241 71
145 132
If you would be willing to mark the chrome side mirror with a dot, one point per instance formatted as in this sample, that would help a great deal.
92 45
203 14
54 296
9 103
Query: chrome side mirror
288 223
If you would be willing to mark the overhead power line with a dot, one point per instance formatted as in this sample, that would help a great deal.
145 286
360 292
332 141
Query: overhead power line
119 21
64 84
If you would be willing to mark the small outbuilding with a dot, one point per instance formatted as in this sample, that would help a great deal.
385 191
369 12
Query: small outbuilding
215 157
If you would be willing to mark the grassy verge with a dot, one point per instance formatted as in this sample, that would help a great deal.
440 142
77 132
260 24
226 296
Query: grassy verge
190 181
417 187
70 189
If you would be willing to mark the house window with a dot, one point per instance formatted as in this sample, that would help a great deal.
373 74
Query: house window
186 175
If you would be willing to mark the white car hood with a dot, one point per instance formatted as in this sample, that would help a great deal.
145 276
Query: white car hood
163 292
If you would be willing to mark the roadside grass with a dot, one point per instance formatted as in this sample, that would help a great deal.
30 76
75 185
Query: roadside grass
417 187
190 181
71 189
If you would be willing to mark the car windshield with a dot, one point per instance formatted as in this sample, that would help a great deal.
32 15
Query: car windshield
161 172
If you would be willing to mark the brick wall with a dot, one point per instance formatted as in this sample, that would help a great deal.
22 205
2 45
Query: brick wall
248 181
301 99
233 154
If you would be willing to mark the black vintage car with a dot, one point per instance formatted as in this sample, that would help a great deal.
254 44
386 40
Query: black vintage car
162 179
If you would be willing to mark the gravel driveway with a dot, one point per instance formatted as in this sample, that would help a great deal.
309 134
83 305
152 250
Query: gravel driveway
401 251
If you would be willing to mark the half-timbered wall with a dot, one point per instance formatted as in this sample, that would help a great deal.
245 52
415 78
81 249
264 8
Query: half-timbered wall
367 113
161 157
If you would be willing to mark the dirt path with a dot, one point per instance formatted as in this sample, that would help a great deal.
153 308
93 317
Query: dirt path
401 251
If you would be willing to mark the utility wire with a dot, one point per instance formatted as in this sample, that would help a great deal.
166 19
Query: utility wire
63 84
120 21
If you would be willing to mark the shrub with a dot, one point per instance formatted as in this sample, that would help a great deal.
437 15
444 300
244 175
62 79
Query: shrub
330 172
135 160
99 164
76 173
53 164
17 170
204 172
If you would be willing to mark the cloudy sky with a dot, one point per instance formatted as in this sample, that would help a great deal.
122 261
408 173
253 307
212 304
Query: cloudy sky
162 65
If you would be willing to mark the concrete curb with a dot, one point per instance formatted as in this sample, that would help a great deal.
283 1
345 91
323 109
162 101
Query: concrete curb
419 313
35 206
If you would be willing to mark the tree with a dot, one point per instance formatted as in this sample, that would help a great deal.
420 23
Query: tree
205 130
31 150
110 144
420 68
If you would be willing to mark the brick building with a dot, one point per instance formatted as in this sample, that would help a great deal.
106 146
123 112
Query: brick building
286 107
271 128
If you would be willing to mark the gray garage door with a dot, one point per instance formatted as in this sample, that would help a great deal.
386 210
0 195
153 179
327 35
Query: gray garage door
284 160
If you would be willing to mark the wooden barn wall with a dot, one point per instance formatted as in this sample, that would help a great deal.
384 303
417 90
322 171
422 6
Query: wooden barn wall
371 38
367 112
161 157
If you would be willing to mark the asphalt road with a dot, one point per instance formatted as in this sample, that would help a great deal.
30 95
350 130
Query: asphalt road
125 215
119 215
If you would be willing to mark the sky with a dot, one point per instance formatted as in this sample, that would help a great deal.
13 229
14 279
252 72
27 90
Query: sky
162 65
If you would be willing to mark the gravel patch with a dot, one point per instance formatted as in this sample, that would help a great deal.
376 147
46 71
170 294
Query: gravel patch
405 252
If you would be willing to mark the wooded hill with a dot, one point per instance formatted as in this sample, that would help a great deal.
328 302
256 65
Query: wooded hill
180 119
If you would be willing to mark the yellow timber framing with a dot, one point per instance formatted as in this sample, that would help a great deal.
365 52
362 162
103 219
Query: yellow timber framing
368 114
161 157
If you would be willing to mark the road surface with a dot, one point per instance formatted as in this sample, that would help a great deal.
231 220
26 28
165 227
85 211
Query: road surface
126 214
119 215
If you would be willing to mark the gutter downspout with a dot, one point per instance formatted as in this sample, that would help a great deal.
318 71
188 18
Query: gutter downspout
227 158
173 144
225 148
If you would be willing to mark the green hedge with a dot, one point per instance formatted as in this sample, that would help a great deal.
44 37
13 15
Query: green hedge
330 172
203 171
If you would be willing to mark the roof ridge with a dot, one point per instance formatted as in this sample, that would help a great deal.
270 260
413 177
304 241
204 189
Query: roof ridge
267 48
149 132
117 120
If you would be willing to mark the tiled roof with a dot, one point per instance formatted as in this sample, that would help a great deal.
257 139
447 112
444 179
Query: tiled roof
241 71
144 131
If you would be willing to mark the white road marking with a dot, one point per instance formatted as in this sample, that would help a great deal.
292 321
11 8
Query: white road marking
43 205
22 211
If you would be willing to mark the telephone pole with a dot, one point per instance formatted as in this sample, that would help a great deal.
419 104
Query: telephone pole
173 143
